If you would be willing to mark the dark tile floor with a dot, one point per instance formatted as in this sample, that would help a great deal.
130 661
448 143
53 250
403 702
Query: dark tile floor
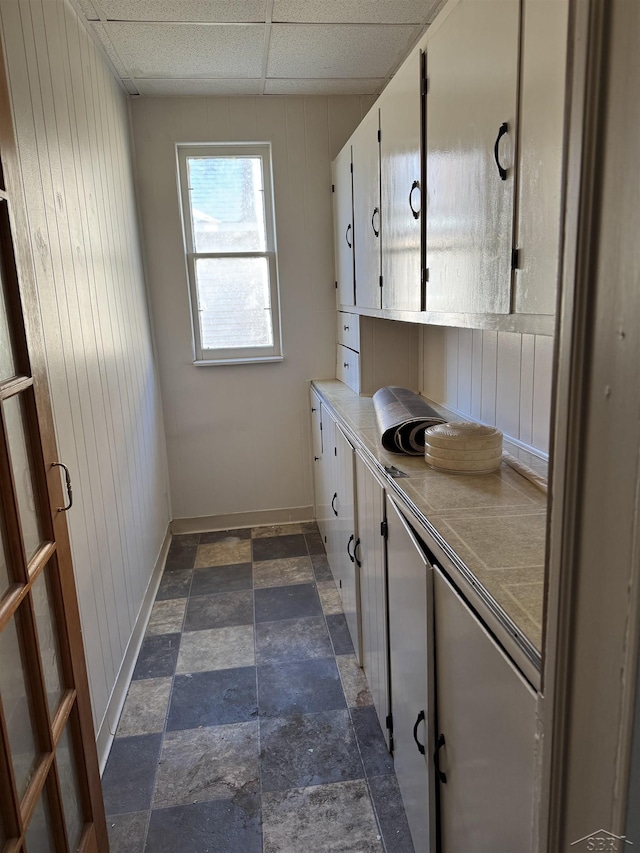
248 727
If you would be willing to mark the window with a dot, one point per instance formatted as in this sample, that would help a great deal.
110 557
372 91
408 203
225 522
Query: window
230 250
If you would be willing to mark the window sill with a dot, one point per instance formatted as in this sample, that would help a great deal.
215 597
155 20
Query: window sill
208 362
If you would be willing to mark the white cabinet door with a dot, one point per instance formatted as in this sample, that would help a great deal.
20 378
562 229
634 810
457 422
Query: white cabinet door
487 717
411 664
401 192
472 68
326 485
343 226
542 102
366 210
346 572
373 588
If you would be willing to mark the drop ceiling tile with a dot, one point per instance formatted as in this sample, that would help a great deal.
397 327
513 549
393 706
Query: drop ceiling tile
88 10
319 50
189 50
324 87
352 11
158 87
220 11
103 36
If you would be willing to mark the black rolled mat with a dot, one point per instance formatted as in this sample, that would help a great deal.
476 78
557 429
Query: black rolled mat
402 417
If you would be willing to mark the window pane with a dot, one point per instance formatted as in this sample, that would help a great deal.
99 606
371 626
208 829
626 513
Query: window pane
48 640
22 464
226 198
234 302
39 836
70 787
7 363
16 701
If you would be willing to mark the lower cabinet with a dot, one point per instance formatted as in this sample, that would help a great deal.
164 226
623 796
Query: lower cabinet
457 715
373 589
412 677
486 715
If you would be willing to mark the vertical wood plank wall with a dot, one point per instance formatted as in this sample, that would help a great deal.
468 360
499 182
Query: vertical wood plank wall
238 435
72 126
499 378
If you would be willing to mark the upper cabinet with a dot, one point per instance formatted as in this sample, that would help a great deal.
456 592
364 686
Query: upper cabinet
366 210
542 102
343 227
401 192
457 199
472 93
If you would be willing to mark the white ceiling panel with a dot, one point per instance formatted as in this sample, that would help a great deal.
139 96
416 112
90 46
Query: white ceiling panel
189 50
158 87
352 11
217 11
105 41
324 87
317 51
88 10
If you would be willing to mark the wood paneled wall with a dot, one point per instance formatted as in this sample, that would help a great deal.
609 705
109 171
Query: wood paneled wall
238 435
499 378
72 125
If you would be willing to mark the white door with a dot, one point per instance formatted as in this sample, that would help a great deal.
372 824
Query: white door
411 664
472 67
370 552
348 574
343 227
366 210
487 722
401 193
326 487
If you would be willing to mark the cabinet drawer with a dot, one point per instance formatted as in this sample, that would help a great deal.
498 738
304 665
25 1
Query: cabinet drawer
348 368
349 330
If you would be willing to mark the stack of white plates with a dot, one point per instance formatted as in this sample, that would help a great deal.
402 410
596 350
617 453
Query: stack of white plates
463 448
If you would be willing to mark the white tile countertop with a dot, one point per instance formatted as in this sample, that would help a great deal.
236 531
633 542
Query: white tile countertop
491 527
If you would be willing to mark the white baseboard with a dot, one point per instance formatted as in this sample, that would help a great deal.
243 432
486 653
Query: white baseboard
110 720
235 520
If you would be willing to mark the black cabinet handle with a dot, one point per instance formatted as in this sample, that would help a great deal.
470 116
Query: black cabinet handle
333 500
414 186
419 720
316 458
436 759
346 236
356 557
67 477
346 328
504 128
373 216
345 364
351 538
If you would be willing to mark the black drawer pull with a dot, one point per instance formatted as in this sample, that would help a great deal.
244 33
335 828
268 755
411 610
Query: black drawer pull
504 129
351 538
414 186
436 759
333 500
376 211
356 552
346 236
415 732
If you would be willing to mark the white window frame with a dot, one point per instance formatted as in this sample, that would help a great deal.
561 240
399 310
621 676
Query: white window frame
236 355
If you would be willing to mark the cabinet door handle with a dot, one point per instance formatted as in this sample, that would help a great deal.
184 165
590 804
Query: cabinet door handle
419 720
355 555
346 328
333 500
316 458
67 478
345 364
373 216
436 759
504 129
415 186
346 236
351 538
